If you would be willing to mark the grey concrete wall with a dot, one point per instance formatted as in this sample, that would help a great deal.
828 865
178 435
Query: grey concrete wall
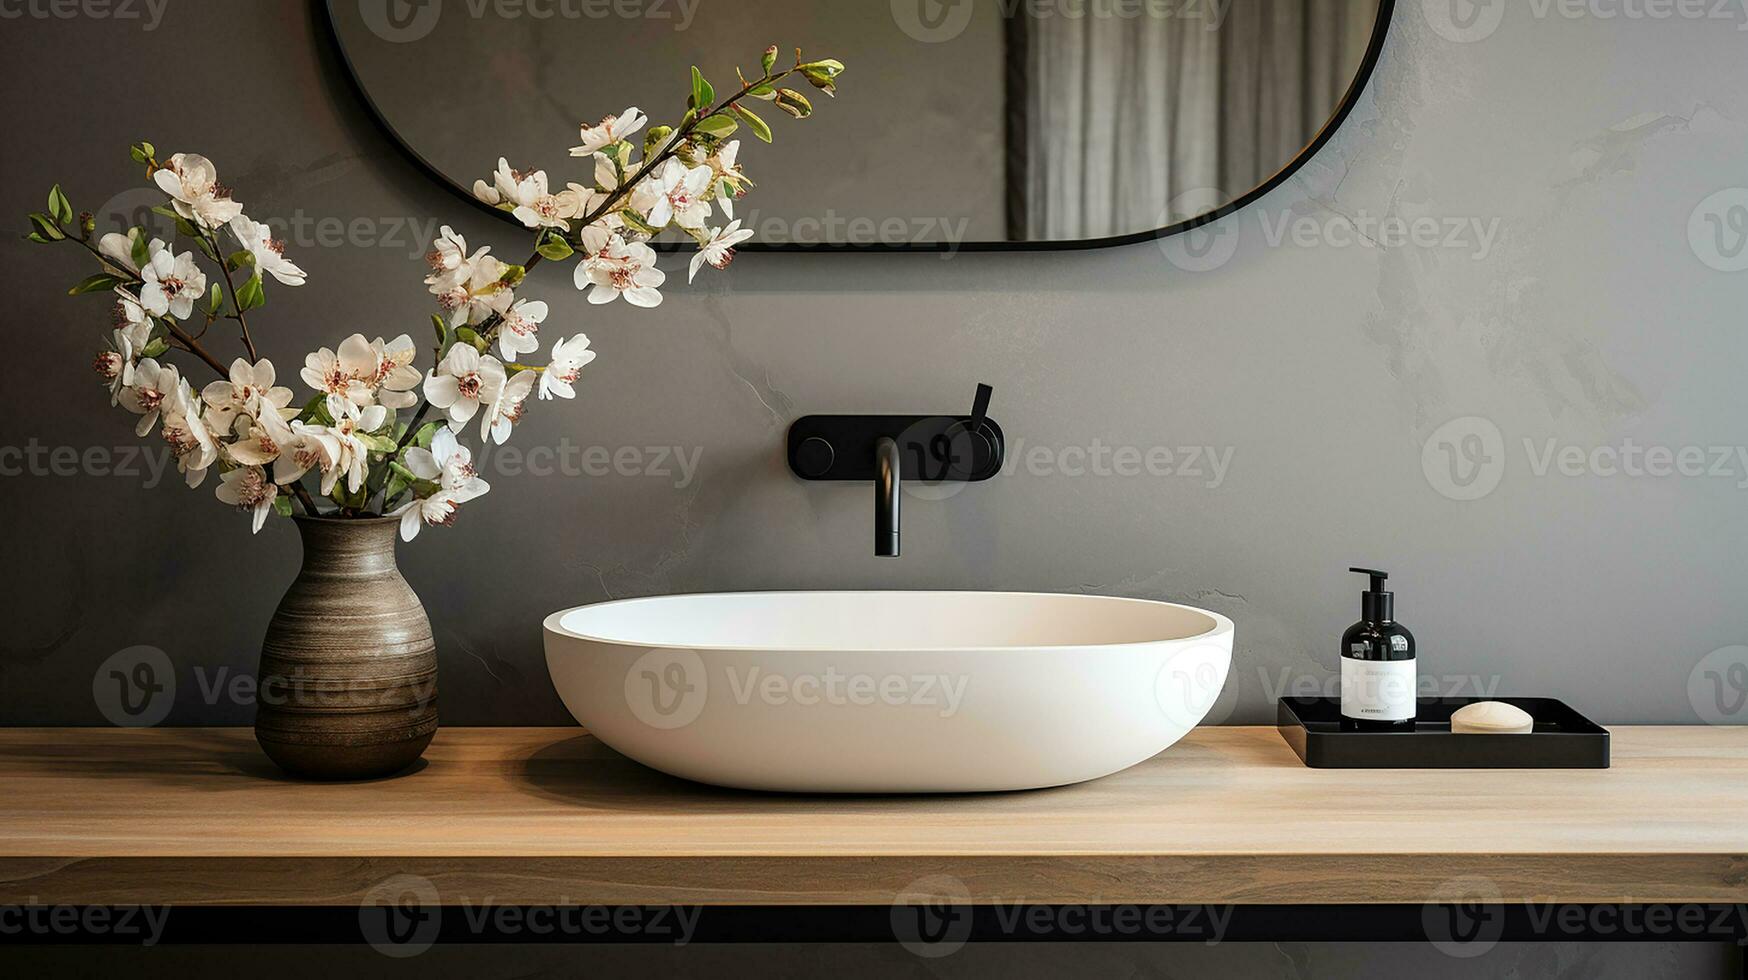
1558 163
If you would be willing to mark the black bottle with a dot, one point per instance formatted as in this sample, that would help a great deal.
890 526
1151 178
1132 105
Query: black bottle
1378 679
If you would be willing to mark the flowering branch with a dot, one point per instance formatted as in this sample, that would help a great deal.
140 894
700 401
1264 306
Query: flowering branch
350 435
189 343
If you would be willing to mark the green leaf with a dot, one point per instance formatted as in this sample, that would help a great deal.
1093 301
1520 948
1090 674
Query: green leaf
769 59
720 126
655 138
101 282
46 227
555 248
138 248
315 410
250 295
375 443
241 257
59 206
39 239
378 475
282 505
427 432
471 337
758 126
822 74
794 103
184 227
764 93
206 247
215 300
637 223
702 93
156 348
513 275
438 325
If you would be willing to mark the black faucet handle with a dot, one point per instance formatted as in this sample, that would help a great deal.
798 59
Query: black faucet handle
980 406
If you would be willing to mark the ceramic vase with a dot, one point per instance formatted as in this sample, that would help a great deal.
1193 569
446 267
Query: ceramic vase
348 678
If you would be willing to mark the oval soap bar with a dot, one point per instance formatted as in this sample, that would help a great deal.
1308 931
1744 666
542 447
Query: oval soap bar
1492 718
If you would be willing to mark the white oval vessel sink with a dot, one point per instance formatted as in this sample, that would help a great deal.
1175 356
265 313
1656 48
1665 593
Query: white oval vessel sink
888 692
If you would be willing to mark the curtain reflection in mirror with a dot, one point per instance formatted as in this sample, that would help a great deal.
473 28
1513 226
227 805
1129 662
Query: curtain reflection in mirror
1133 124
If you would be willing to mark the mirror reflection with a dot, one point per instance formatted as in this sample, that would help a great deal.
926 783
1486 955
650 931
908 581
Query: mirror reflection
971 121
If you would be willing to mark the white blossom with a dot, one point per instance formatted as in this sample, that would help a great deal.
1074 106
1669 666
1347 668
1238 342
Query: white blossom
154 387
505 410
192 183
719 249
568 360
622 269
187 436
249 488
353 459
248 391
268 252
171 283
679 195
462 382
259 440
517 329
611 130
439 508
449 464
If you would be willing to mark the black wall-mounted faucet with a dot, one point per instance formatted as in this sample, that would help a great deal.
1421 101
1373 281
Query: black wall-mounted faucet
890 449
888 490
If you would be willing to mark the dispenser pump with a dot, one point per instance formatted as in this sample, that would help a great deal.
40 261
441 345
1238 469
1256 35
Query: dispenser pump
1377 605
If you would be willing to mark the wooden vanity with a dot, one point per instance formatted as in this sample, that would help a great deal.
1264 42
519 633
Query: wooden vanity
549 815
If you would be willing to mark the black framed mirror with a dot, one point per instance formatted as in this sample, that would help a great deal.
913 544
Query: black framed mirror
963 125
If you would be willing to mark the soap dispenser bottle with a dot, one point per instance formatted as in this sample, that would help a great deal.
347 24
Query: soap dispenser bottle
1378 679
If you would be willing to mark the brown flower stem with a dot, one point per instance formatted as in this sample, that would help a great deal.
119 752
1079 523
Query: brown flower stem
303 498
413 426
225 269
193 346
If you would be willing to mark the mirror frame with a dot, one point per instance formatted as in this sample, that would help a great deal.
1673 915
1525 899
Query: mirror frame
1368 67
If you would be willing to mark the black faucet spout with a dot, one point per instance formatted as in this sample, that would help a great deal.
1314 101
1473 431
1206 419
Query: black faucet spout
888 487
933 448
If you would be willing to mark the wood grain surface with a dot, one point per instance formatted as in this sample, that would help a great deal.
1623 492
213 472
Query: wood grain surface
529 816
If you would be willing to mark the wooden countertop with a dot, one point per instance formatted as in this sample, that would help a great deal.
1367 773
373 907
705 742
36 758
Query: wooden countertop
549 815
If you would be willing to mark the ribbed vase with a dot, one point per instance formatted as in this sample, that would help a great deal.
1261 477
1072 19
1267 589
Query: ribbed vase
348 679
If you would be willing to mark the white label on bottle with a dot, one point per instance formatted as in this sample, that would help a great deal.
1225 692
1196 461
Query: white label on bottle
1377 690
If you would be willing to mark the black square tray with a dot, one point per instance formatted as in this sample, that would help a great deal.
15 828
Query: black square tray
1562 739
